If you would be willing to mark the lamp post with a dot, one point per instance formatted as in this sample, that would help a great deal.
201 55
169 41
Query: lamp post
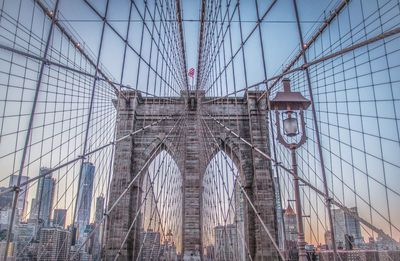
289 106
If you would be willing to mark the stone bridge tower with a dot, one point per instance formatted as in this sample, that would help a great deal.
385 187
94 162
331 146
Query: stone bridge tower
247 118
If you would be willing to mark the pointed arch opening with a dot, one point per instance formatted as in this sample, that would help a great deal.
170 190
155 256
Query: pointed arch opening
223 233
161 208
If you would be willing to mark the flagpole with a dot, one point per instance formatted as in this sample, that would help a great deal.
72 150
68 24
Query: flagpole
191 75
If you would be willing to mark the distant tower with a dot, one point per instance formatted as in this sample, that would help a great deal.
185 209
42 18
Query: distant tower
22 202
328 239
99 232
23 235
346 224
290 220
54 244
59 217
84 199
44 197
5 198
99 209
33 212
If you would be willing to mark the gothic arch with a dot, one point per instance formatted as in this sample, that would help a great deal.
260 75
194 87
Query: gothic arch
234 152
230 148
165 145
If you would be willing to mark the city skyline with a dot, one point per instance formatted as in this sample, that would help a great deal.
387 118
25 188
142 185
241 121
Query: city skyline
47 225
343 222
47 184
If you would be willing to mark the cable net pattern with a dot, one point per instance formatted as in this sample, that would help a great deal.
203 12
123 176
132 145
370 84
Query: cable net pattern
67 69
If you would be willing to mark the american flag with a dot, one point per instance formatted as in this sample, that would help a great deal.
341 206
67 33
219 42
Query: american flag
191 72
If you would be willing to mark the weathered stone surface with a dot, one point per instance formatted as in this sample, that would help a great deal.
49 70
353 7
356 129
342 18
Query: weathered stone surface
243 115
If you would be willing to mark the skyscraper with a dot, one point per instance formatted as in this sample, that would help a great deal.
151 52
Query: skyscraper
344 224
290 220
54 244
5 198
99 209
23 194
89 238
23 238
84 199
328 239
59 217
45 197
99 232
33 212
5 217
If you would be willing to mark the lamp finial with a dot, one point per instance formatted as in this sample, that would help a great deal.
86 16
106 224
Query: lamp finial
286 85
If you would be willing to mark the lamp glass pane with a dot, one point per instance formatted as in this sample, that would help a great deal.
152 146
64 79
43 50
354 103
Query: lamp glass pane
290 126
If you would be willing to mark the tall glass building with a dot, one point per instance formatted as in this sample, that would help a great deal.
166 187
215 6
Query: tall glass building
59 217
44 197
84 199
